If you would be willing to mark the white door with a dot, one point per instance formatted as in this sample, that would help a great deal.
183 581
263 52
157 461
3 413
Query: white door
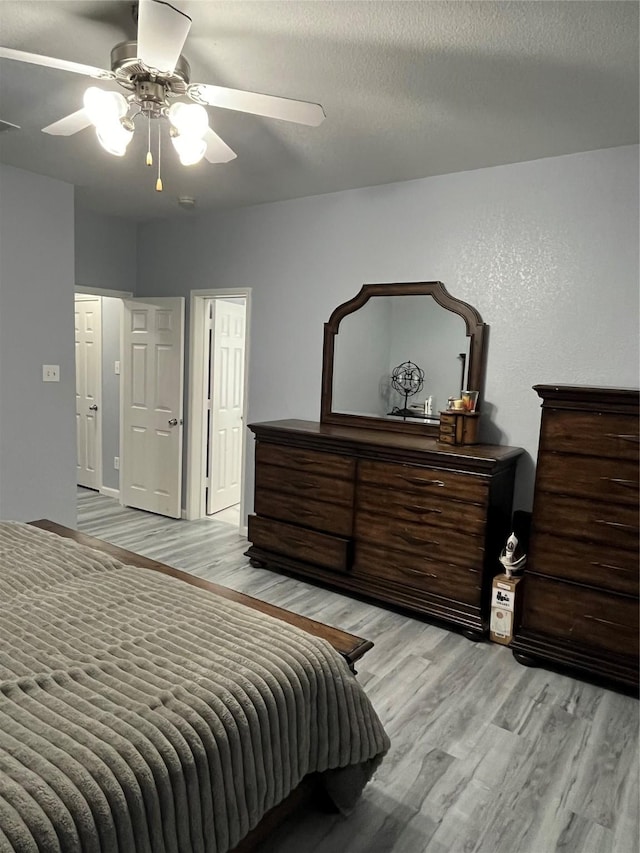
88 319
226 387
152 381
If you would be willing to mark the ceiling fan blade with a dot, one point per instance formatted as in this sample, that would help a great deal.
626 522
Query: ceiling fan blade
269 106
67 126
6 126
52 62
217 149
162 32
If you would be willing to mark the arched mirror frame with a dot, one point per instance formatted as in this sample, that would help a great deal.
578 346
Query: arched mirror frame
435 289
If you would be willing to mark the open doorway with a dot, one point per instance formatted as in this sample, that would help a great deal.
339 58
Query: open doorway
129 398
88 350
98 319
217 404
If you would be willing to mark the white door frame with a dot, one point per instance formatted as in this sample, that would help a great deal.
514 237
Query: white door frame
196 504
101 291
79 297
79 290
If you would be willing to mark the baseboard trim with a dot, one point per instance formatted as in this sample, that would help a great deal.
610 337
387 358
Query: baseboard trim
109 492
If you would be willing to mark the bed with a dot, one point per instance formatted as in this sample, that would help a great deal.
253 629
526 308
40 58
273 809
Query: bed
142 713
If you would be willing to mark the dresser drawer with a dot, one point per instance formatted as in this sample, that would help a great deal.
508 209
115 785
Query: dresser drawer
303 484
613 569
447 424
419 573
614 525
329 517
414 479
596 478
429 508
579 615
591 434
320 549
331 465
446 437
420 539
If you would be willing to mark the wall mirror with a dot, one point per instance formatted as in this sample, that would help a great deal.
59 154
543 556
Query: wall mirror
396 348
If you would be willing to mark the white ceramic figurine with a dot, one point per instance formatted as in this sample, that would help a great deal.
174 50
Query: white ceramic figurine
512 558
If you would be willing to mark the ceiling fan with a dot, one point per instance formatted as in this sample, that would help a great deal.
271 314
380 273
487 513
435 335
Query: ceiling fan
157 79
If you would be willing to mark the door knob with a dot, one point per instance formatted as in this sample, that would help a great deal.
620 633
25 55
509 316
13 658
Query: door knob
174 422
93 408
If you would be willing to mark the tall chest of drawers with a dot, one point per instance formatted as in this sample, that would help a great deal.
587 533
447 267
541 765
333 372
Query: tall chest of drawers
398 518
580 605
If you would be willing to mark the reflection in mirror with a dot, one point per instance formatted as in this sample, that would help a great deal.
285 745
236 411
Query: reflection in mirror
381 328
385 332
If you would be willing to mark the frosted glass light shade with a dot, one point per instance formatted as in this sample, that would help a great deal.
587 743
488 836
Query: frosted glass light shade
113 137
190 150
104 106
189 119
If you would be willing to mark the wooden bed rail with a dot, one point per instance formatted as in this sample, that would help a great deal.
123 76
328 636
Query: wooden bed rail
351 647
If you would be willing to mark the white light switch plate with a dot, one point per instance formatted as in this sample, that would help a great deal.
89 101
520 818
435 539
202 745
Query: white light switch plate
51 373
116 368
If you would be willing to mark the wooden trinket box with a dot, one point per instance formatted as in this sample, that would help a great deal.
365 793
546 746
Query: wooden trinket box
459 427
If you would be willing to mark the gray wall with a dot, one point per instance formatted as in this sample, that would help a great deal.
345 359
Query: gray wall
106 251
37 420
547 251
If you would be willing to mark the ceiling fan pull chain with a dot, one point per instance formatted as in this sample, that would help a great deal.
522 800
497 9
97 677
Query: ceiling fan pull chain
149 154
159 181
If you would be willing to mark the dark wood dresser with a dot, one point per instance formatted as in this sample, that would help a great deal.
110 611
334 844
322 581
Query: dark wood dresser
580 605
402 519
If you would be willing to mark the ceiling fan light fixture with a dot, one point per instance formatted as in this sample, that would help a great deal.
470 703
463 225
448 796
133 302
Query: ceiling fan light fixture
190 149
189 120
154 72
104 107
114 137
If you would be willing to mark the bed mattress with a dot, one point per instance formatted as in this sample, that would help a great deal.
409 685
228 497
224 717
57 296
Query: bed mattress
140 713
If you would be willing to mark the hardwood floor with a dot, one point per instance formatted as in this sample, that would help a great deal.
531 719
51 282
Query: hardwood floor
487 756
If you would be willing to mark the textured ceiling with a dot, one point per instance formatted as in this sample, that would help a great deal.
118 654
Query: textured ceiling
410 89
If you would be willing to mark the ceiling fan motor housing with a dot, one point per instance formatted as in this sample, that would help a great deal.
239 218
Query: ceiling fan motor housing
130 71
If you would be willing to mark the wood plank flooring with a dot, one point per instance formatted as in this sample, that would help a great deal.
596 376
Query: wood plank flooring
487 756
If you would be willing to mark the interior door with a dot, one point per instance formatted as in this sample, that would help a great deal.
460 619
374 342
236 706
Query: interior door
226 387
88 319
152 385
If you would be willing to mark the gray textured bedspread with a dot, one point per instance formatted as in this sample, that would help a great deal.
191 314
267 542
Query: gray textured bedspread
139 713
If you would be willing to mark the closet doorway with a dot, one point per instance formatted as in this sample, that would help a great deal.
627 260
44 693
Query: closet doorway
88 348
98 318
217 405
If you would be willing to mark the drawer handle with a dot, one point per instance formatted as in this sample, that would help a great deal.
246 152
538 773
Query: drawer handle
306 485
608 566
634 439
418 572
420 481
629 484
607 622
617 524
422 509
414 540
